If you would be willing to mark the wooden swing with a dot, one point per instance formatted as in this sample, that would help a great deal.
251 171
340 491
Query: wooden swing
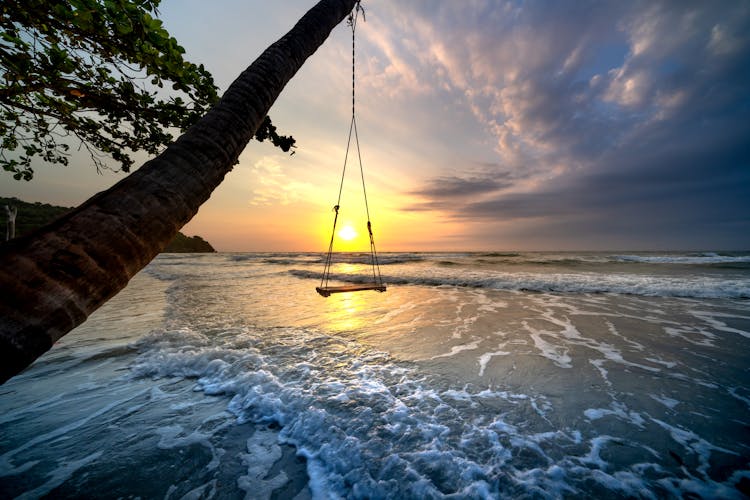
377 281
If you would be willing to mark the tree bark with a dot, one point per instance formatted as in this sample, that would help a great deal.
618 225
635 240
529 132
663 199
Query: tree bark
52 279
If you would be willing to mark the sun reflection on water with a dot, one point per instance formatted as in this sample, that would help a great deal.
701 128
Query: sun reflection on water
345 311
347 268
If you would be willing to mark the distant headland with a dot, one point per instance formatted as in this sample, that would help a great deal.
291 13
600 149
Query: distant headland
30 216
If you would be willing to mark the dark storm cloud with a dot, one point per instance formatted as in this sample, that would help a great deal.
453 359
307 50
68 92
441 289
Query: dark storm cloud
633 116
457 187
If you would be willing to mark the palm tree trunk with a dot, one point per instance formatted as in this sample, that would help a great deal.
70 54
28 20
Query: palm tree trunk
51 280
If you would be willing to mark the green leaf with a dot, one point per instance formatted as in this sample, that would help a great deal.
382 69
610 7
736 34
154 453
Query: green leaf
93 73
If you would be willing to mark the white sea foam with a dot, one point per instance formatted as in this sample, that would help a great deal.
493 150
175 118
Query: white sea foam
262 452
546 482
563 282
614 331
627 483
557 353
207 490
710 318
371 425
329 410
599 365
666 401
487 356
705 258
693 335
26 411
659 361
695 444
570 333
173 436
733 391
619 410
6 466
64 470
335 442
459 348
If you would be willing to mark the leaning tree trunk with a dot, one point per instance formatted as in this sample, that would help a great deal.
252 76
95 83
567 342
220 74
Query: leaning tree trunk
51 280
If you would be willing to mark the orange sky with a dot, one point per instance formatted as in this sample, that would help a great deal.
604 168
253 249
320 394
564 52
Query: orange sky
483 126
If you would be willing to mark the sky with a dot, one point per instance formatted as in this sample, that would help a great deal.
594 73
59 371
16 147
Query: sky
483 125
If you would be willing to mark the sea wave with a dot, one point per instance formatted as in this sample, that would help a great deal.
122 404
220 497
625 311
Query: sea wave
287 259
499 254
272 257
367 426
569 259
382 259
628 284
702 258
373 427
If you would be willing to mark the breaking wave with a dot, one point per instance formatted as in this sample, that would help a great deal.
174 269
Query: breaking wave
630 284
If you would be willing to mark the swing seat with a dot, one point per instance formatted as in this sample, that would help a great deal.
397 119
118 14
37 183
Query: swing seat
377 282
326 291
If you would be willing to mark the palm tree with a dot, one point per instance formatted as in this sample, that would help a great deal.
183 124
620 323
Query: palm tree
51 280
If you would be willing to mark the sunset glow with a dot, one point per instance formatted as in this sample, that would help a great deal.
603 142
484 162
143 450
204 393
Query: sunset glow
347 233
480 128
505 255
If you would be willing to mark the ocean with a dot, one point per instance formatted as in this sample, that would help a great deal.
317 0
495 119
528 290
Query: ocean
476 375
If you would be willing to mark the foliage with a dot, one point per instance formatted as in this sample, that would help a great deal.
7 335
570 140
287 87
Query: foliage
32 216
94 72
188 244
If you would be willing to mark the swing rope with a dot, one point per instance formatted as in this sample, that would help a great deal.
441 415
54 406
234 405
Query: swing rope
352 22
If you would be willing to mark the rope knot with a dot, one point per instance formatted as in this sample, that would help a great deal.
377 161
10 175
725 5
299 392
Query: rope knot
352 19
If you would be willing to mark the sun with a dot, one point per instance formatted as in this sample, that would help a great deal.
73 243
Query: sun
347 233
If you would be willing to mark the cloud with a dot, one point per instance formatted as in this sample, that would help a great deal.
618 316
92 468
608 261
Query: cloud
390 61
273 187
457 187
600 111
